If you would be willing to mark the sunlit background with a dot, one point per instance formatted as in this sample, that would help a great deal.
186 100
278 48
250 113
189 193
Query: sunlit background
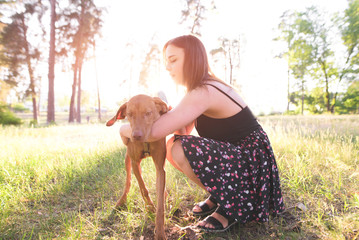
129 27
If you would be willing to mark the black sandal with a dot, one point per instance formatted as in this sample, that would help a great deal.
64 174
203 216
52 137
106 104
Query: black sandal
217 225
206 210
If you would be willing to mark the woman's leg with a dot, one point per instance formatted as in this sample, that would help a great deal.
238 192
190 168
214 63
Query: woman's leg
179 158
179 155
181 161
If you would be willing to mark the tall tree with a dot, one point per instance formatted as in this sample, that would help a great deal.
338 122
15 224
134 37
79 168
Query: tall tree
307 46
51 75
97 83
80 28
150 66
329 69
20 53
348 25
316 30
230 50
300 56
4 87
287 35
194 13
300 62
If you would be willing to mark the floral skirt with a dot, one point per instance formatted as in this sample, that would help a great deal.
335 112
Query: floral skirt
243 176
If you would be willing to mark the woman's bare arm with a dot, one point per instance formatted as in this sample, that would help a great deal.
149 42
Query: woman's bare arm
183 116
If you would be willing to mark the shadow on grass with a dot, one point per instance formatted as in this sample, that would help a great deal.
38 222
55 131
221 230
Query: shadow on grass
75 195
81 207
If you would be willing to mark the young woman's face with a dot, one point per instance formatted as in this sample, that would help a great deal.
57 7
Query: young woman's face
174 63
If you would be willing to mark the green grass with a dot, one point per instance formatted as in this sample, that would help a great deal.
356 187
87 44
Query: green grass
61 182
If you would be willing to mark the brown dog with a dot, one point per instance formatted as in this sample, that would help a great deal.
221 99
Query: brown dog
141 111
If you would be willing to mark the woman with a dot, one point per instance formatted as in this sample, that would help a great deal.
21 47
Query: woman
231 158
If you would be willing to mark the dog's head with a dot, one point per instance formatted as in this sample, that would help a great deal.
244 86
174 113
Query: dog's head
141 111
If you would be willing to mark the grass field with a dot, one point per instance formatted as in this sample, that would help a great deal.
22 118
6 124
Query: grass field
61 182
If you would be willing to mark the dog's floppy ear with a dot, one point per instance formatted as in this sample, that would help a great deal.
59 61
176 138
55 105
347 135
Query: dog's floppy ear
121 114
160 105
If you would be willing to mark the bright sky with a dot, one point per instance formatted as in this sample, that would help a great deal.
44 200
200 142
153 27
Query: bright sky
263 77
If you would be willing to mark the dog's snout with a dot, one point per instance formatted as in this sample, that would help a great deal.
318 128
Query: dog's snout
137 135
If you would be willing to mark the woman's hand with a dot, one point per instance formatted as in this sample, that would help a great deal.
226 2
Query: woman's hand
125 133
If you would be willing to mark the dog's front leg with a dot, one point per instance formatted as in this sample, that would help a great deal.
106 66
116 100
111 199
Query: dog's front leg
159 160
160 213
137 171
122 201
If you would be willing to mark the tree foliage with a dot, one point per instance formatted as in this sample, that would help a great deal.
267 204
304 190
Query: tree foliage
349 101
313 55
229 51
51 74
20 50
194 13
294 26
150 65
7 117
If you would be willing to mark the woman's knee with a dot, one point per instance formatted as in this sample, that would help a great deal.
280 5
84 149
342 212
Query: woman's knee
178 155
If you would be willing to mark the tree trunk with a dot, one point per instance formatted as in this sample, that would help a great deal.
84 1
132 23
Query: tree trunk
51 75
288 92
98 87
327 95
78 114
230 64
302 97
33 96
332 106
230 70
39 102
225 66
30 70
78 54
73 95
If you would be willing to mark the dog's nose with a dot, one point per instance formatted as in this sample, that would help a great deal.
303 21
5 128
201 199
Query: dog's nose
137 135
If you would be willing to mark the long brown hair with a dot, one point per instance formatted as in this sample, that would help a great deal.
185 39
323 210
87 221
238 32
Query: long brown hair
196 69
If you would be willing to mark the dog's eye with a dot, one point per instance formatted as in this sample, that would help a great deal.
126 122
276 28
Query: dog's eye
148 114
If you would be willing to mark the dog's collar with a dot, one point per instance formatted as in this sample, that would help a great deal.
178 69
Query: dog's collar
146 149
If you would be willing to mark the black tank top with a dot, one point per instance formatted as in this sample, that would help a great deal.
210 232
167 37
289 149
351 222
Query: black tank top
231 129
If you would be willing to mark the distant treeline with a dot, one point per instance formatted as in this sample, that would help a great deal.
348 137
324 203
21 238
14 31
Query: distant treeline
322 52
